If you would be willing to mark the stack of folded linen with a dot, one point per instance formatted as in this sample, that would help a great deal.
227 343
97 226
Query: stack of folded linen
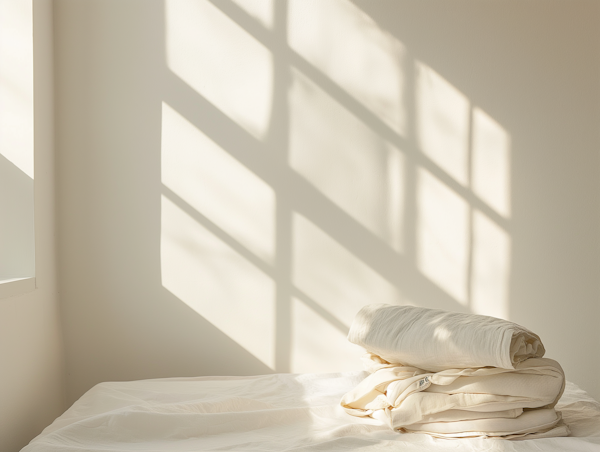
454 375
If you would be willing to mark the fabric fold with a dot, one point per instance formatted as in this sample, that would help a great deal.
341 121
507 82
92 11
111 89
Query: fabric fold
412 396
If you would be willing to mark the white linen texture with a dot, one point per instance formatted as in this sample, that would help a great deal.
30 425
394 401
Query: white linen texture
454 375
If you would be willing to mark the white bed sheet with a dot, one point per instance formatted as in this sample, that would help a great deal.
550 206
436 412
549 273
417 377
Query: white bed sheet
280 412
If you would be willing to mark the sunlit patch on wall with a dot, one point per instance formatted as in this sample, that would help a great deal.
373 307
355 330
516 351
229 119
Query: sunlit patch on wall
491 260
442 236
218 283
442 114
261 10
217 186
350 164
317 345
491 162
333 277
348 46
221 61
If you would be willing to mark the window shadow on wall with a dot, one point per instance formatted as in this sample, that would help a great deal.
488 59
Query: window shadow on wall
311 164
239 178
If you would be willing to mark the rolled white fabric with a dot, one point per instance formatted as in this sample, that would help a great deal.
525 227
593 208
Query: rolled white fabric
436 340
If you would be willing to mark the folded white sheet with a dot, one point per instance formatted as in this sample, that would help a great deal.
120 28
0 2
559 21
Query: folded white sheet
534 421
533 424
486 401
436 340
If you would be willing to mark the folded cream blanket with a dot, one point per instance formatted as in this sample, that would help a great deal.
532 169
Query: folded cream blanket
485 401
542 423
436 340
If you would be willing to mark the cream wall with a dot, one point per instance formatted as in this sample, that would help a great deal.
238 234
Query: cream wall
32 390
236 178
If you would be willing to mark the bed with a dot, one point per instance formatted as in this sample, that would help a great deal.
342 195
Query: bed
279 412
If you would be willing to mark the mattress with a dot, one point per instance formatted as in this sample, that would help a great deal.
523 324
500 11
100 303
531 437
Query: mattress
279 412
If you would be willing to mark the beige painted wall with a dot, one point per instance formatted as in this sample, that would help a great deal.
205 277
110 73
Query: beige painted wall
236 178
32 389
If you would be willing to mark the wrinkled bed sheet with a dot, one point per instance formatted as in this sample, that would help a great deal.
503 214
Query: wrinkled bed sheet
280 412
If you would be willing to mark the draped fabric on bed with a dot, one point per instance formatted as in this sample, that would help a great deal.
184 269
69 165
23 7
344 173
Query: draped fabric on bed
454 375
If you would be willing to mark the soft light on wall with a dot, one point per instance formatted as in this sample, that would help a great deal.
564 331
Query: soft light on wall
326 115
211 207
221 61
